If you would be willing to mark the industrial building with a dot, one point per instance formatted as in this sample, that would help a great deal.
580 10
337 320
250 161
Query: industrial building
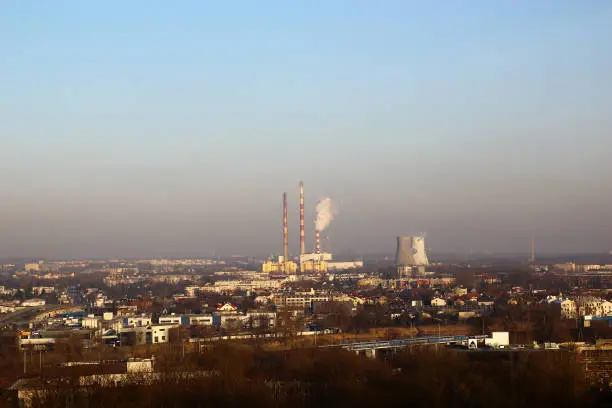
278 265
410 254
342 266
315 262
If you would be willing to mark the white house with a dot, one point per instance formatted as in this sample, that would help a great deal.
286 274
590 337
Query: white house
227 308
438 302
161 333
137 321
91 322
192 320
230 320
172 319
261 319
200 320
566 307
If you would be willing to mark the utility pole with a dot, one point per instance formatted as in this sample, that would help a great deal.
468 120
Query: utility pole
438 342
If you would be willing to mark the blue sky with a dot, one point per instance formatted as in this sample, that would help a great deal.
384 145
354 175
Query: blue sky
149 128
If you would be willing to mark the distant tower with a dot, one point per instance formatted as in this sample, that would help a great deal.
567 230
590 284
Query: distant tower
410 253
285 230
302 235
532 250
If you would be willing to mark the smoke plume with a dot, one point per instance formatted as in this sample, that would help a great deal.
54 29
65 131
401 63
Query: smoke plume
325 214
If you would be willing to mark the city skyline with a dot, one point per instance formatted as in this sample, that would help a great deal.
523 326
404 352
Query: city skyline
140 130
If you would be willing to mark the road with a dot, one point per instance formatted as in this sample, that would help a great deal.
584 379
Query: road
23 315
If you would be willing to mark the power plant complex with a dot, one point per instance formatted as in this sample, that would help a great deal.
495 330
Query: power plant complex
315 262
410 255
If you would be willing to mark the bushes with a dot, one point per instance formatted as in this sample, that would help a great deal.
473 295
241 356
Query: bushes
420 377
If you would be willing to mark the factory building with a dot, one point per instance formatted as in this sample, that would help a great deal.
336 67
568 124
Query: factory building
315 262
278 265
341 266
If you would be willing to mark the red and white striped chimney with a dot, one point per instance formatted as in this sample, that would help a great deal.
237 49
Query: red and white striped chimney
285 229
302 238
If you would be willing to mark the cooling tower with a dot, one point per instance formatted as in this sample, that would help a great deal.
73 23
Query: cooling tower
411 251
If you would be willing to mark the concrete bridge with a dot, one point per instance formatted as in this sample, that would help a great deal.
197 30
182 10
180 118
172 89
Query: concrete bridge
369 347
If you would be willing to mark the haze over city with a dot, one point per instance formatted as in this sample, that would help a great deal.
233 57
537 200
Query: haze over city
149 129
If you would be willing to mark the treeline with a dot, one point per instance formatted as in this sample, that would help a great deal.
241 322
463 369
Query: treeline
421 377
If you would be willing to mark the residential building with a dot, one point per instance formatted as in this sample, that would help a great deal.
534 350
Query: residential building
171 319
151 334
261 319
438 302
137 321
39 290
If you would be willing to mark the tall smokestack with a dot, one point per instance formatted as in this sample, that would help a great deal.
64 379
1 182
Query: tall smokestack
318 242
302 235
532 250
285 229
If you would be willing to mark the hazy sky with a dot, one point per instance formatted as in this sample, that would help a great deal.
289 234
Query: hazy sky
156 128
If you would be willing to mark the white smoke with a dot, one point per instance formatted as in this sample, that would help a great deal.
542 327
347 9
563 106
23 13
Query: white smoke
325 214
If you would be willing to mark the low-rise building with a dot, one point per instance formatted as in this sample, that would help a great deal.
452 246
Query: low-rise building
39 290
32 267
188 320
33 303
151 334
171 319
438 302
91 322
200 320
230 321
341 266
565 306
260 319
137 321
593 306
485 300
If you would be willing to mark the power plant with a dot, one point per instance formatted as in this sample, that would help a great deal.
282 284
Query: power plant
281 264
317 261
410 254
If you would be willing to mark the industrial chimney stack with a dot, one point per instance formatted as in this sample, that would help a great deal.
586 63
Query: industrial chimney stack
318 242
302 235
285 230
